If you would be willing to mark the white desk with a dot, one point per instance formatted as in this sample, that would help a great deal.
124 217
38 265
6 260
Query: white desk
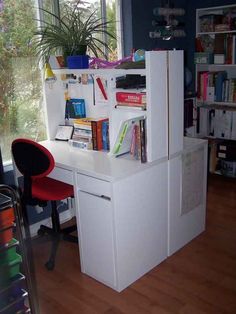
121 211
131 216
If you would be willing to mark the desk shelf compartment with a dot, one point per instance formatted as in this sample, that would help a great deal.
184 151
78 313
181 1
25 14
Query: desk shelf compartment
164 98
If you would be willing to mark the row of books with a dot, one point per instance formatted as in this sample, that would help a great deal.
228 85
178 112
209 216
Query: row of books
131 139
218 123
225 44
220 48
91 133
215 86
131 100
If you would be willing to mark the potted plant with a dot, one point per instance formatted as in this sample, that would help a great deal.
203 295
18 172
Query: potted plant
71 34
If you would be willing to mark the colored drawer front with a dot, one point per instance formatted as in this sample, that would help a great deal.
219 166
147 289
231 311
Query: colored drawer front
13 301
6 217
6 234
9 254
10 294
10 269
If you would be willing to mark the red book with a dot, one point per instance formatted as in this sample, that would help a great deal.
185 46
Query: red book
97 133
131 98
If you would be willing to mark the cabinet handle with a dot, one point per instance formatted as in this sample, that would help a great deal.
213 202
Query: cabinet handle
107 198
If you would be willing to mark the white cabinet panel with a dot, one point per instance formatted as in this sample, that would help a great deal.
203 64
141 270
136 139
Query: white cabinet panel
97 238
140 210
187 196
93 185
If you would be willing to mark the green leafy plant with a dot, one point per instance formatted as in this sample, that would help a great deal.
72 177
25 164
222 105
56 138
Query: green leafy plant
72 33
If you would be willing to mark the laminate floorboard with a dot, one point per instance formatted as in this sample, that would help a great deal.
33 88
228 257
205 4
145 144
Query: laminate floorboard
198 279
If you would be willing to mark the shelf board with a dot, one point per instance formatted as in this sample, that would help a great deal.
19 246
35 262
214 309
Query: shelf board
131 109
100 71
217 105
213 65
213 33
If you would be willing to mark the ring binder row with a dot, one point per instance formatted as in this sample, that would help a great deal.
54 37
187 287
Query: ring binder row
16 290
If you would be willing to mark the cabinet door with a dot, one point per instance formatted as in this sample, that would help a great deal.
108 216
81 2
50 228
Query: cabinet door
97 237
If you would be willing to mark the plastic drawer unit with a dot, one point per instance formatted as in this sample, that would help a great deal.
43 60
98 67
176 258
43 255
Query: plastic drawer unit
12 293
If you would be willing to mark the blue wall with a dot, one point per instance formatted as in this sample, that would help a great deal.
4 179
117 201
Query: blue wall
142 12
138 16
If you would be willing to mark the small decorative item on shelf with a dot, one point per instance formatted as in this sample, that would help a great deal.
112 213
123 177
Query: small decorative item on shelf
139 55
168 27
49 76
72 34
203 58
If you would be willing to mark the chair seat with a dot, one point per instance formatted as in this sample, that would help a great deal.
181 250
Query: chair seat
47 189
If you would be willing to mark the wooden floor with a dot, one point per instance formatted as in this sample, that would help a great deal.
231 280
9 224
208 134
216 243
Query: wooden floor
200 278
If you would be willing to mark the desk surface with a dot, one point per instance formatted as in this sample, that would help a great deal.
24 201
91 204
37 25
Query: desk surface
93 163
100 164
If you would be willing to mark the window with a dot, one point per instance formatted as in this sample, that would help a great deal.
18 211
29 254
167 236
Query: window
109 10
21 95
21 105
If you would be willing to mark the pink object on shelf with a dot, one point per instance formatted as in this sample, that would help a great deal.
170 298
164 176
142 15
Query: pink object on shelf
97 63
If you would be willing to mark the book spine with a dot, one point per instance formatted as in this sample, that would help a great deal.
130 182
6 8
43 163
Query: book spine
133 141
99 134
128 104
94 135
138 142
205 84
83 126
105 135
82 132
142 124
121 139
135 98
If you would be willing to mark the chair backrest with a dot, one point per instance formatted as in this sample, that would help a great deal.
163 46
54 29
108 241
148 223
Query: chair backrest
32 160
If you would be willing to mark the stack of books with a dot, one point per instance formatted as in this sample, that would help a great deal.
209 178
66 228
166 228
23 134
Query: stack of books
131 100
91 133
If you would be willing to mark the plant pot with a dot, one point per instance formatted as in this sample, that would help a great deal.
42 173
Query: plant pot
78 62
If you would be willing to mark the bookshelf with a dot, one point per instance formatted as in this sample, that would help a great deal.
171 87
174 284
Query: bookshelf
215 61
164 95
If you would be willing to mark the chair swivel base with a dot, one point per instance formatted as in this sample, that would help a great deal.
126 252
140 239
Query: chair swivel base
56 236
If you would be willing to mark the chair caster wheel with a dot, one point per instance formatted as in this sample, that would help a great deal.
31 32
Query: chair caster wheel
41 232
50 265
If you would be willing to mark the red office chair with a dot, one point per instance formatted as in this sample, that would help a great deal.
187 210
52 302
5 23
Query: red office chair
35 162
